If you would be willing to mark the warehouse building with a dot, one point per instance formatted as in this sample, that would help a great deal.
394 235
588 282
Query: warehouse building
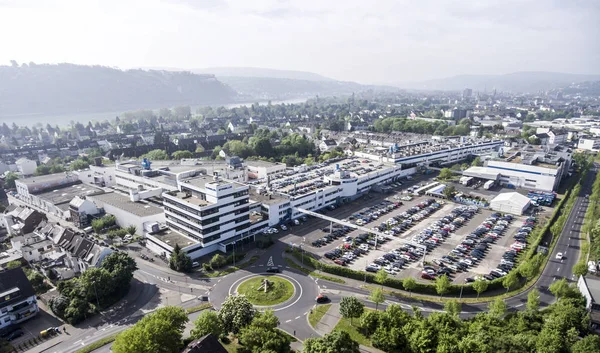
510 202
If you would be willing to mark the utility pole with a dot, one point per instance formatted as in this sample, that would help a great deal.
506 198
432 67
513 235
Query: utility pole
234 254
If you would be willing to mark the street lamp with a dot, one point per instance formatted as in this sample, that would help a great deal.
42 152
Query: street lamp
234 254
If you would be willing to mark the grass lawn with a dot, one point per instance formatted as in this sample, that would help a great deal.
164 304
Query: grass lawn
232 346
354 330
95 345
293 264
279 291
198 308
317 314
231 269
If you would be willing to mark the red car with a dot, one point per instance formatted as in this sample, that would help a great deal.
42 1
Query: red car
425 275
340 262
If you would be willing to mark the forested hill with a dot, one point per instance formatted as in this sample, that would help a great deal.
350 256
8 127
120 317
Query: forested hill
66 88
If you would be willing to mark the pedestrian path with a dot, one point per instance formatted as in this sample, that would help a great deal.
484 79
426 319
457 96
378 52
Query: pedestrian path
329 320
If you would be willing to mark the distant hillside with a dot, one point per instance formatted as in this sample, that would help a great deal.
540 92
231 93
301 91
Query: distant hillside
67 88
280 88
262 72
515 82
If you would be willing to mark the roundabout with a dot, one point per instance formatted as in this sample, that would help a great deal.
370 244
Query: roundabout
266 290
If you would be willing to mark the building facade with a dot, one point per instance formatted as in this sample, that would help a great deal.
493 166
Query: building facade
17 298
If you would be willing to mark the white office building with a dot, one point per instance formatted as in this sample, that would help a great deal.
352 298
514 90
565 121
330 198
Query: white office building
589 144
210 211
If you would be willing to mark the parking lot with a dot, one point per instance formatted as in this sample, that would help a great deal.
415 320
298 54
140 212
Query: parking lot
453 247
32 328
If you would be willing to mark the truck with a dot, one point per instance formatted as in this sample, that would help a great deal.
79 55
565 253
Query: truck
466 181
488 184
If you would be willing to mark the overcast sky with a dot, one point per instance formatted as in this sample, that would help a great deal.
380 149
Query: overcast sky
385 41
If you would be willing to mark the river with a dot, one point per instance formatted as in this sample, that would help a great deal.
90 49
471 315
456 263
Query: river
65 119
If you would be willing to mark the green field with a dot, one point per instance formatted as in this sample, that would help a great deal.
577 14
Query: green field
279 291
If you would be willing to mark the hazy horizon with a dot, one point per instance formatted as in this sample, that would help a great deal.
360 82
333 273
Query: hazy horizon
382 42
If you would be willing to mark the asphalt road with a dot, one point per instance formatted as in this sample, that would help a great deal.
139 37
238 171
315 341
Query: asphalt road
292 314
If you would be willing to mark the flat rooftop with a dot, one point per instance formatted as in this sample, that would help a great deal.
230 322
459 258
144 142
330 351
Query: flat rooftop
265 198
202 180
185 197
172 237
64 195
265 164
140 209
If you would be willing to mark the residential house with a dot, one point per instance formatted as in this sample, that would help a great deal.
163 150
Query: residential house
544 138
17 298
327 145
238 128
205 344
555 136
26 166
19 220
81 210
356 126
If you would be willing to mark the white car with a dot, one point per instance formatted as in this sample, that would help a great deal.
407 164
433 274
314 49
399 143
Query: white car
283 227
559 256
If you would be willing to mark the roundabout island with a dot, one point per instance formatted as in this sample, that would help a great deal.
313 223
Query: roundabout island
266 290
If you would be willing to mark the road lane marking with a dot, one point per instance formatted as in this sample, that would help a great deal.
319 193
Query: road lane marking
297 317
558 269
518 306
287 321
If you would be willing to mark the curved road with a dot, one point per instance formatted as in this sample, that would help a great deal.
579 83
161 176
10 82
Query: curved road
152 277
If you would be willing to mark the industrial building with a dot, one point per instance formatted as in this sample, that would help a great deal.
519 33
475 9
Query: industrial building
529 167
589 286
510 202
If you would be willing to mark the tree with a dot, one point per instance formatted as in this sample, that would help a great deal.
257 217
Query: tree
580 269
42 169
157 155
449 191
369 321
377 297
533 300
442 285
217 261
409 283
236 313
590 343
180 261
121 268
79 164
351 307
262 335
207 322
480 286
453 307
334 342
131 229
9 180
560 288
510 280
526 269
199 148
160 331
477 162
497 308
381 276
13 264
182 154
445 174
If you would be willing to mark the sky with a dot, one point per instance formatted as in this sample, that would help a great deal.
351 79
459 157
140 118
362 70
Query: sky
376 41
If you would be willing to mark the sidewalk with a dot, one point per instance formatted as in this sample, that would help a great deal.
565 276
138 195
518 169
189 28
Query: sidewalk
329 320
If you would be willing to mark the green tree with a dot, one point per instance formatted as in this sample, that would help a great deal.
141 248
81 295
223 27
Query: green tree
449 191
497 308
381 276
9 180
79 164
42 169
377 297
445 174
180 261
480 286
453 307
526 269
159 332
580 269
477 162
409 283
549 341
131 229
177 155
217 261
236 313
13 264
369 321
590 343
334 342
199 149
121 268
442 285
207 322
262 335
560 288
157 155
533 300
510 280
262 147
351 307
